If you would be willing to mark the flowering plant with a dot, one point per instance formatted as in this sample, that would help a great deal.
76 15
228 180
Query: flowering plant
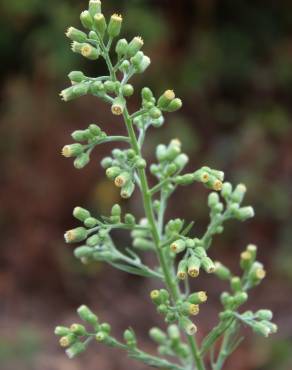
180 255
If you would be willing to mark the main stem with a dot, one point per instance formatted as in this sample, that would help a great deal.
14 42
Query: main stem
147 203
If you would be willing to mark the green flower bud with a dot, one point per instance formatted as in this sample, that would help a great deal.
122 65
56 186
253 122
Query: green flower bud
170 169
83 251
94 7
93 240
187 325
178 246
162 309
174 105
75 349
222 271
127 190
186 179
72 150
128 90
257 273
187 308
260 328
87 315
130 219
114 26
81 161
90 222
89 52
252 249
86 19
140 163
122 179
100 24
157 122
101 336
78 329
75 235
147 94
118 106
160 152
236 285
157 335
125 66
134 46
182 270
116 210
239 193
155 296
81 213
110 86
97 88
94 129
208 265
113 172
76 76
194 264
245 260
173 333
79 135
106 162
181 161
213 199
143 65
105 327
198 298
273 327
122 47
165 99
61 331
74 92
130 338
155 113
67 340
76 35
226 190
264 314
173 149
200 252
240 298
244 213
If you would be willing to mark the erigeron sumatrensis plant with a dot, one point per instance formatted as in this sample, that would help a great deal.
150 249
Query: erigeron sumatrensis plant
180 256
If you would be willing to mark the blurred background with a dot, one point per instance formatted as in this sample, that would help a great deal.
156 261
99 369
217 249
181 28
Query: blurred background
231 62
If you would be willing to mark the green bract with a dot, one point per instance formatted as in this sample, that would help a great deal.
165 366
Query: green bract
180 254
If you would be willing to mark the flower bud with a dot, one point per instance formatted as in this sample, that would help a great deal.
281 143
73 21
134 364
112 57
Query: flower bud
125 66
162 309
76 35
127 190
113 172
174 105
182 270
200 252
101 336
257 273
222 271
194 264
262 329
122 47
264 314
76 76
130 219
75 235
143 244
128 90
178 246
165 99
83 251
155 296
143 65
90 222
208 265
213 199
106 162
79 135
173 333
147 94
93 240
116 210
75 349
130 338
238 194
67 340
244 213
86 19
236 285
114 26
100 23
81 161
185 179
187 325
89 52
226 190
240 298
118 106
245 260
78 329
173 149
87 315
181 161
134 46
94 129
74 92
94 7
157 335
61 331
188 308
81 213
72 150
122 179
197 298
155 113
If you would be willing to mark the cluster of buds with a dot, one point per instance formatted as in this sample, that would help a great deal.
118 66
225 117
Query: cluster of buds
194 259
212 179
169 343
170 162
121 167
182 310
76 337
260 321
153 109
89 138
